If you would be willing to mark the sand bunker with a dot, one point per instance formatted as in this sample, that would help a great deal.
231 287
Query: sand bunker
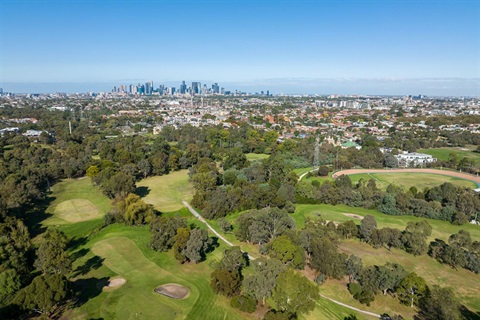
114 283
173 290
351 215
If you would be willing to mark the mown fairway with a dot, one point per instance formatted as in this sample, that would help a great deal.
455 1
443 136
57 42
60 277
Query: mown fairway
408 180
76 201
464 282
122 251
166 192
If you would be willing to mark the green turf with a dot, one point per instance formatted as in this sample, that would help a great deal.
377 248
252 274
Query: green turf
443 153
76 200
256 156
465 283
125 253
407 180
441 229
166 192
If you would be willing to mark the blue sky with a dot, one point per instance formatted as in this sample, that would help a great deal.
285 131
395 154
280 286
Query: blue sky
371 47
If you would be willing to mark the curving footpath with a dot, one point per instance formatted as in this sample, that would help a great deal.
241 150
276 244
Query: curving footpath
455 174
199 217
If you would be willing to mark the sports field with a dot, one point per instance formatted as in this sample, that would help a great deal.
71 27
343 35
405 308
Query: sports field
407 180
166 192
444 153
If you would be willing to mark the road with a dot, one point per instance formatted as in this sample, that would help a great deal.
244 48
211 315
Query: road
456 174
199 217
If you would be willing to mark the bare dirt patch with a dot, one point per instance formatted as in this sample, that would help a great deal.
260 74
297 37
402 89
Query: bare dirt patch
173 290
113 283
352 215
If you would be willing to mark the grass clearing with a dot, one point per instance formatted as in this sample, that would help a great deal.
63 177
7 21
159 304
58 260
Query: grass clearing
443 153
76 200
440 229
407 180
166 192
465 283
256 156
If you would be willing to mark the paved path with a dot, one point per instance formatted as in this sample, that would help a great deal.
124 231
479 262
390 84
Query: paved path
456 174
351 307
304 174
199 217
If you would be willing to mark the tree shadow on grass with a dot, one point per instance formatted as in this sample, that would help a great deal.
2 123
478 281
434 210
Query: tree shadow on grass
78 254
35 215
93 263
74 243
86 289
469 315
213 246
142 191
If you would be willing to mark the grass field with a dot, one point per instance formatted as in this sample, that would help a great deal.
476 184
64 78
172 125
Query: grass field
166 192
76 201
256 156
441 229
407 180
443 153
465 283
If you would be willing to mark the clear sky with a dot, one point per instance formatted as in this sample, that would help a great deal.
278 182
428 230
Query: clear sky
370 47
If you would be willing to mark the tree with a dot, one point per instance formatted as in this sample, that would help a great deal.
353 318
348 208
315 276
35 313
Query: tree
52 256
224 225
145 167
181 240
461 239
411 289
43 294
163 230
353 267
233 259
326 259
235 159
226 282
440 304
197 245
9 285
245 303
264 278
347 229
295 293
367 226
119 185
283 249
135 210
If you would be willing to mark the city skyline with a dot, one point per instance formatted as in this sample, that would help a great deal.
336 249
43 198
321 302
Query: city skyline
346 47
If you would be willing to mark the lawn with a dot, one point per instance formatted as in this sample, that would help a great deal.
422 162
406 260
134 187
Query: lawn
256 156
441 229
465 283
76 200
407 180
443 153
122 251
166 192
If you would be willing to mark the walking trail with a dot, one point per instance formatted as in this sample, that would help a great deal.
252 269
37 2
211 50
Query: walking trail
199 217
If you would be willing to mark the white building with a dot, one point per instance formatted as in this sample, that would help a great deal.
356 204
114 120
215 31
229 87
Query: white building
414 159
